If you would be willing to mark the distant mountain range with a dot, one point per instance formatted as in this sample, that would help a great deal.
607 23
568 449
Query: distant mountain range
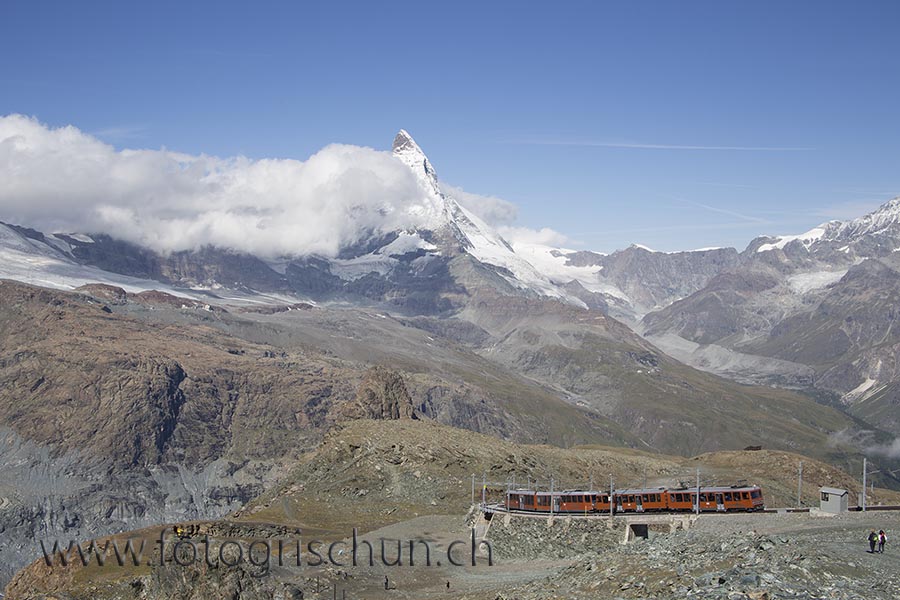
808 311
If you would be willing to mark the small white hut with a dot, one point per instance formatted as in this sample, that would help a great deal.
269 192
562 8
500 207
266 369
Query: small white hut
833 500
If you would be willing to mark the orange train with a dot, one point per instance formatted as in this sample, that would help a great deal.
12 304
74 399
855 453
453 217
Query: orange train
718 499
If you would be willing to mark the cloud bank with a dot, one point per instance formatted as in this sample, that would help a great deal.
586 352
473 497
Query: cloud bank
543 237
66 180
492 210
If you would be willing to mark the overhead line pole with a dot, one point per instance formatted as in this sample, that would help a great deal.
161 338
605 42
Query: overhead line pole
865 472
697 506
611 488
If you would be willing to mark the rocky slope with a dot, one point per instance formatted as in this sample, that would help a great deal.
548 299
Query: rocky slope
385 474
814 310
121 409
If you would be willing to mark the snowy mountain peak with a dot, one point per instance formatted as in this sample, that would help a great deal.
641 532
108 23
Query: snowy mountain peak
881 223
459 230
406 149
886 214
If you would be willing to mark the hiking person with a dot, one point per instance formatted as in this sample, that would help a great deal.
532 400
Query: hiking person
882 538
873 539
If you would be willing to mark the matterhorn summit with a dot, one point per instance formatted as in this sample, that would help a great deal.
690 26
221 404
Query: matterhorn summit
461 231
406 149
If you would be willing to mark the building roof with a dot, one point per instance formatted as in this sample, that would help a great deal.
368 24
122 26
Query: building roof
831 490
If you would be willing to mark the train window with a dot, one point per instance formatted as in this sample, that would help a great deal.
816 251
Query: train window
755 494
745 495
728 496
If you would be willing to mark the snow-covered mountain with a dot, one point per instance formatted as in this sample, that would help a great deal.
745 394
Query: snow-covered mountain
436 265
869 236
47 260
813 310
450 229
417 269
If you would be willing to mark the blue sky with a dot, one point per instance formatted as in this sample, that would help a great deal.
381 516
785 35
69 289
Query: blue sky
671 124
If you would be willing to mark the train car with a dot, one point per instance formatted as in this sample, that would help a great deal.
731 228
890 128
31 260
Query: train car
718 499
575 501
526 500
747 498
642 500
681 500
568 501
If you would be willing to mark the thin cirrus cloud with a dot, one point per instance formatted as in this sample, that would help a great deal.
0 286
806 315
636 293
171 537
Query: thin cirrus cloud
65 180
646 146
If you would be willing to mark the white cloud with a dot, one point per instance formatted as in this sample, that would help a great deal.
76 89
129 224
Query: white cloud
492 210
524 235
66 180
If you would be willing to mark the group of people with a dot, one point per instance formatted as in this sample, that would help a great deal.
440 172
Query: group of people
877 538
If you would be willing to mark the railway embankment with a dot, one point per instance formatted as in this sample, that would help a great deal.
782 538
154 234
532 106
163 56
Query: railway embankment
738 557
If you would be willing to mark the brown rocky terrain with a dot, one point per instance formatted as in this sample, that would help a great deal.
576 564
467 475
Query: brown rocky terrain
120 410
392 478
